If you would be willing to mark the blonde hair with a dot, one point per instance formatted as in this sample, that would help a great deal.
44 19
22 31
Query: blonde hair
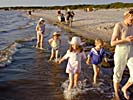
128 13
97 41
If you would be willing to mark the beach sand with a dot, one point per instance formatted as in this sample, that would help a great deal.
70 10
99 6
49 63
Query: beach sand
95 24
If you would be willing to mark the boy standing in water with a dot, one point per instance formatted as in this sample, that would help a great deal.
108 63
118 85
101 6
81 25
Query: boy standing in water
95 57
55 43
40 29
122 38
74 55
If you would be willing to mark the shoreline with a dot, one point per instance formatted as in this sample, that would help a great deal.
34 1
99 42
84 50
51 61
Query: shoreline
91 25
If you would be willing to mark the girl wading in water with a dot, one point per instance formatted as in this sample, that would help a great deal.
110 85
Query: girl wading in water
74 55
40 29
55 43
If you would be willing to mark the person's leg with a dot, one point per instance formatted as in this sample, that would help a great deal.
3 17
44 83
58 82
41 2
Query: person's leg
96 70
116 89
70 81
56 55
120 61
38 42
41 41
124 89
76 76
130 81
118 72
52 54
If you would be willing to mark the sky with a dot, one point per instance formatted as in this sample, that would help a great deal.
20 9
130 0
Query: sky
12 3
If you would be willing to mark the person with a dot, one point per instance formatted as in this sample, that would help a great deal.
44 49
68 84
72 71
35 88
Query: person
95 57
122 38
74 55
55 43
29 13
70 14
62 17
40 29
59 15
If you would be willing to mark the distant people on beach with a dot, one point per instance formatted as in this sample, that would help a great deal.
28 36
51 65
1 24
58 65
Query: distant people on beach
122 38
60 15
55 43
95 57
74 55
40 29
69 15
29 12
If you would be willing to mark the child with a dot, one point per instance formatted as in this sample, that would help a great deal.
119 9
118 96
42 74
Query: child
55 43
74 56
95 57
40 29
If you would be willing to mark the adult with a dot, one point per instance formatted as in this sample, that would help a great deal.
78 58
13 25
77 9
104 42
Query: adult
122 38
59 15
69 15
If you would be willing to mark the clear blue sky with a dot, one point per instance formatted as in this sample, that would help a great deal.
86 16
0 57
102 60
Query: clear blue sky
8 3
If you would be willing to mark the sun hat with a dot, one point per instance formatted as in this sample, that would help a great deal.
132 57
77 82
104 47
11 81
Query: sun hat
55 33
76 40
41 19
130 11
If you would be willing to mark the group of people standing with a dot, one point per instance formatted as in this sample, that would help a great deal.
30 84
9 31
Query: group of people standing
69 14
122 38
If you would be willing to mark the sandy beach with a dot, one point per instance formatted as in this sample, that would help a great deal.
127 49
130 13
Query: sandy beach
95 24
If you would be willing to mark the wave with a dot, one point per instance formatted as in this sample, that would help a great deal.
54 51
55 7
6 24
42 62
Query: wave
8 28
85 87
6 55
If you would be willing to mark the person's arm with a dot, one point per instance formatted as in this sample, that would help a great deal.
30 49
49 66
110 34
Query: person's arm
116 39
37 28
83 55
88 61
105 59
66 56
50 41
43 29
62 59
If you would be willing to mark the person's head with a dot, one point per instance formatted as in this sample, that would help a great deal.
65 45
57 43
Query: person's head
75 44
41 21
99 43
55 35
128 17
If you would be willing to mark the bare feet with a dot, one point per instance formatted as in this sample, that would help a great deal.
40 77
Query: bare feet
41 48
125 93
116 97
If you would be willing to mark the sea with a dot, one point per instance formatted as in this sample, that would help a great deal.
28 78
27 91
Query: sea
26 74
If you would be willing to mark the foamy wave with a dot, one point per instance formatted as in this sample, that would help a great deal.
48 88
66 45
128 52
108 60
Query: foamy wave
25 39
84 86
7 53
71 94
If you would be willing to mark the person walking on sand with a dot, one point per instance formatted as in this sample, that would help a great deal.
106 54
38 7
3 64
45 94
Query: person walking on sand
69 16
95 57
59 15
55 43
74 55
122 38
40 29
